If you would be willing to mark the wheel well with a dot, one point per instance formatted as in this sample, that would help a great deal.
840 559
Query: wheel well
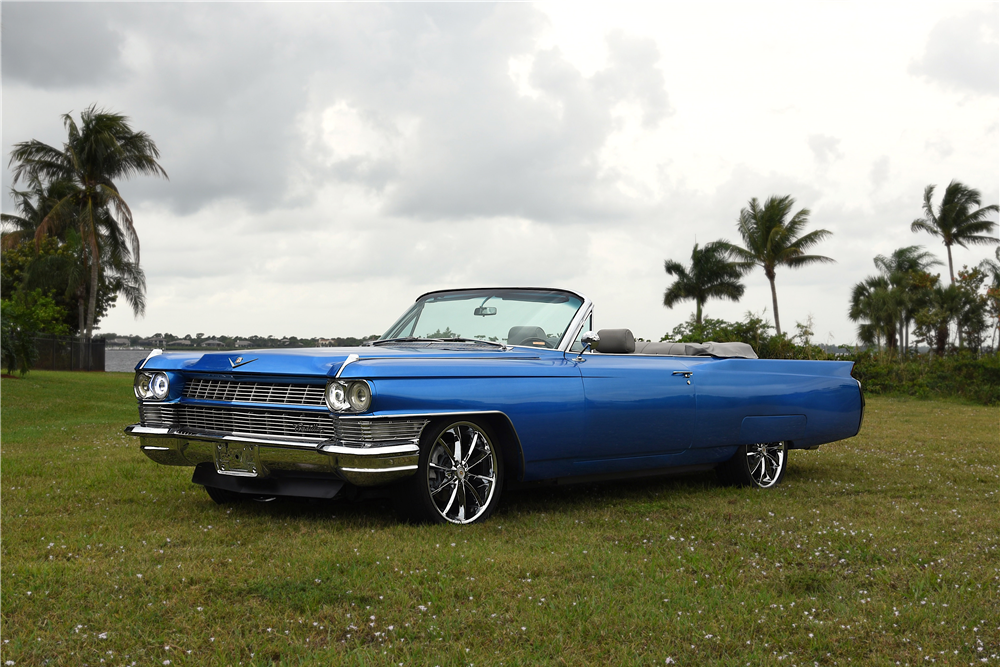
510 444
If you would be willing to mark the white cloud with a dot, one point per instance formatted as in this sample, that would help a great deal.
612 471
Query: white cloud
329 162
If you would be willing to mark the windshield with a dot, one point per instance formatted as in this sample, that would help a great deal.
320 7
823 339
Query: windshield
536 318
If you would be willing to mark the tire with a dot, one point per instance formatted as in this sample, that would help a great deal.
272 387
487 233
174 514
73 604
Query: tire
222 496
761 465
459 475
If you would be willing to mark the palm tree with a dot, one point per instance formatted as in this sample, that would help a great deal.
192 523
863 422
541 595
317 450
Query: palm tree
102 149
876 305
712 275
958 219
901 269
772 239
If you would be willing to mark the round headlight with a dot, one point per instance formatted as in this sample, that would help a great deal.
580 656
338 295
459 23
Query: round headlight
141 386
336 397
159 386
359 395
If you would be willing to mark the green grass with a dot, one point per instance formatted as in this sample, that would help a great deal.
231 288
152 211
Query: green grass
877 550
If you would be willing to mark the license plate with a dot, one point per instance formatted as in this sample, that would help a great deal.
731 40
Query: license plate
238 459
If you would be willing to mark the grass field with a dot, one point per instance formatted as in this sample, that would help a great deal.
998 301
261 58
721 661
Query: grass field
883 549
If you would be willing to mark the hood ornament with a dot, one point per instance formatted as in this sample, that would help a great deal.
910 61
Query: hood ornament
239 362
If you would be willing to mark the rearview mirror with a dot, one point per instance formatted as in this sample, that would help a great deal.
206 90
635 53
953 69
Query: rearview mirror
484 311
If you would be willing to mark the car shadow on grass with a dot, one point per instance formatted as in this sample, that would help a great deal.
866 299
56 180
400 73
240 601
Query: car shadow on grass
524 500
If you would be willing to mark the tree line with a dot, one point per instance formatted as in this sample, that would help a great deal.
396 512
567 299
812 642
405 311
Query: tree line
885 306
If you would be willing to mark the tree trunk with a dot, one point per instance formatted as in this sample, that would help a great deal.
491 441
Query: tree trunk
81 297
774 303
92 302
697 315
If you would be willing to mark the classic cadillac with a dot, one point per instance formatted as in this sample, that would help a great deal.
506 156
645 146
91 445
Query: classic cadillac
473 389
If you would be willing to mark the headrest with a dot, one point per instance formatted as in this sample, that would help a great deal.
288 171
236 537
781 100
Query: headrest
517 335
616 341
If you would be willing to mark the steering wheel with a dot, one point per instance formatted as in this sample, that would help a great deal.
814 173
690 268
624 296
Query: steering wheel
534 339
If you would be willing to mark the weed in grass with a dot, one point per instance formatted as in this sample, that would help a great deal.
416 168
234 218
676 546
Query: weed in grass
879 549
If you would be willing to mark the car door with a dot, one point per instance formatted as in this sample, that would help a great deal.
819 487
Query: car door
636 406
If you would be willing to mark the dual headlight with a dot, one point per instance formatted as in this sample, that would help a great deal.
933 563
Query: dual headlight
349 396
151 386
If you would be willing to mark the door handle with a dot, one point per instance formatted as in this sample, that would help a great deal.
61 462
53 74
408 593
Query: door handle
686 374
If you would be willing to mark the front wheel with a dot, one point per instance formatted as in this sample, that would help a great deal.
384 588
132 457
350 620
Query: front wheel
459 475
760 465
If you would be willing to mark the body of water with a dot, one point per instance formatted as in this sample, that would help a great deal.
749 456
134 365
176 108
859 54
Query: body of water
122 361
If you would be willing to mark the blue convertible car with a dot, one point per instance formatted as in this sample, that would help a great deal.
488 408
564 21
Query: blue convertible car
472 389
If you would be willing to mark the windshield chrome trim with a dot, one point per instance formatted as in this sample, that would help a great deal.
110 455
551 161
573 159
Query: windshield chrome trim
576 324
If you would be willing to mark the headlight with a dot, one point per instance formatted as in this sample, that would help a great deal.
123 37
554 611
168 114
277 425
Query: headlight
151 386
336 397
359 396
349 396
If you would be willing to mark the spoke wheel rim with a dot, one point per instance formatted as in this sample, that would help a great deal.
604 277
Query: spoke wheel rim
461 472
765 461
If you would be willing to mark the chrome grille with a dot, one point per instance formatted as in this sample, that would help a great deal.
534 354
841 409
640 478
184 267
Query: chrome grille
282 423
366 432
275 423
255 392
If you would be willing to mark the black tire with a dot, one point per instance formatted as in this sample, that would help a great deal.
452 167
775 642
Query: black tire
222 496
761 465
459 475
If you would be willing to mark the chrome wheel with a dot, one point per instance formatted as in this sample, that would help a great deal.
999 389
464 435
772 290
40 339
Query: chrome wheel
462 473
765 463
761 465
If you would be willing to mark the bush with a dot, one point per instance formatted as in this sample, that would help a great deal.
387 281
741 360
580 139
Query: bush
961 375
23 317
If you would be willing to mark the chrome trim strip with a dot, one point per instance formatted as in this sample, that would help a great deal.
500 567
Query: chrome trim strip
380 470
375 450
409 415
155 352
148 431
157 449
351 358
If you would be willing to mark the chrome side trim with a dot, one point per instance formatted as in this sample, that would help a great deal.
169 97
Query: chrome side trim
155 352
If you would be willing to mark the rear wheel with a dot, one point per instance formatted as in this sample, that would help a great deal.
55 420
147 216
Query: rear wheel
760 465
459 475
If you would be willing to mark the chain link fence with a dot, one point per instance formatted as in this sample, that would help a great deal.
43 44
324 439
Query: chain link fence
69 353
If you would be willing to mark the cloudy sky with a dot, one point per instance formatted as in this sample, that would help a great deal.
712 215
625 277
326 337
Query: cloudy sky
330 162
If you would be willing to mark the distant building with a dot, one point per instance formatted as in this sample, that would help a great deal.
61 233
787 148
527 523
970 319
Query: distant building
211 342
117 342
182 342
243 343
326 342
156 341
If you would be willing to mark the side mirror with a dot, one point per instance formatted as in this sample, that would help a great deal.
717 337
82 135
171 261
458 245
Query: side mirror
589 340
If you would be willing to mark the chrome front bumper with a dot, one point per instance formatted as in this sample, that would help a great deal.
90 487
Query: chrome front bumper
258 457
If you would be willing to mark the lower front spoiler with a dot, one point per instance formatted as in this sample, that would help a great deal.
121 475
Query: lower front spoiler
359 466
